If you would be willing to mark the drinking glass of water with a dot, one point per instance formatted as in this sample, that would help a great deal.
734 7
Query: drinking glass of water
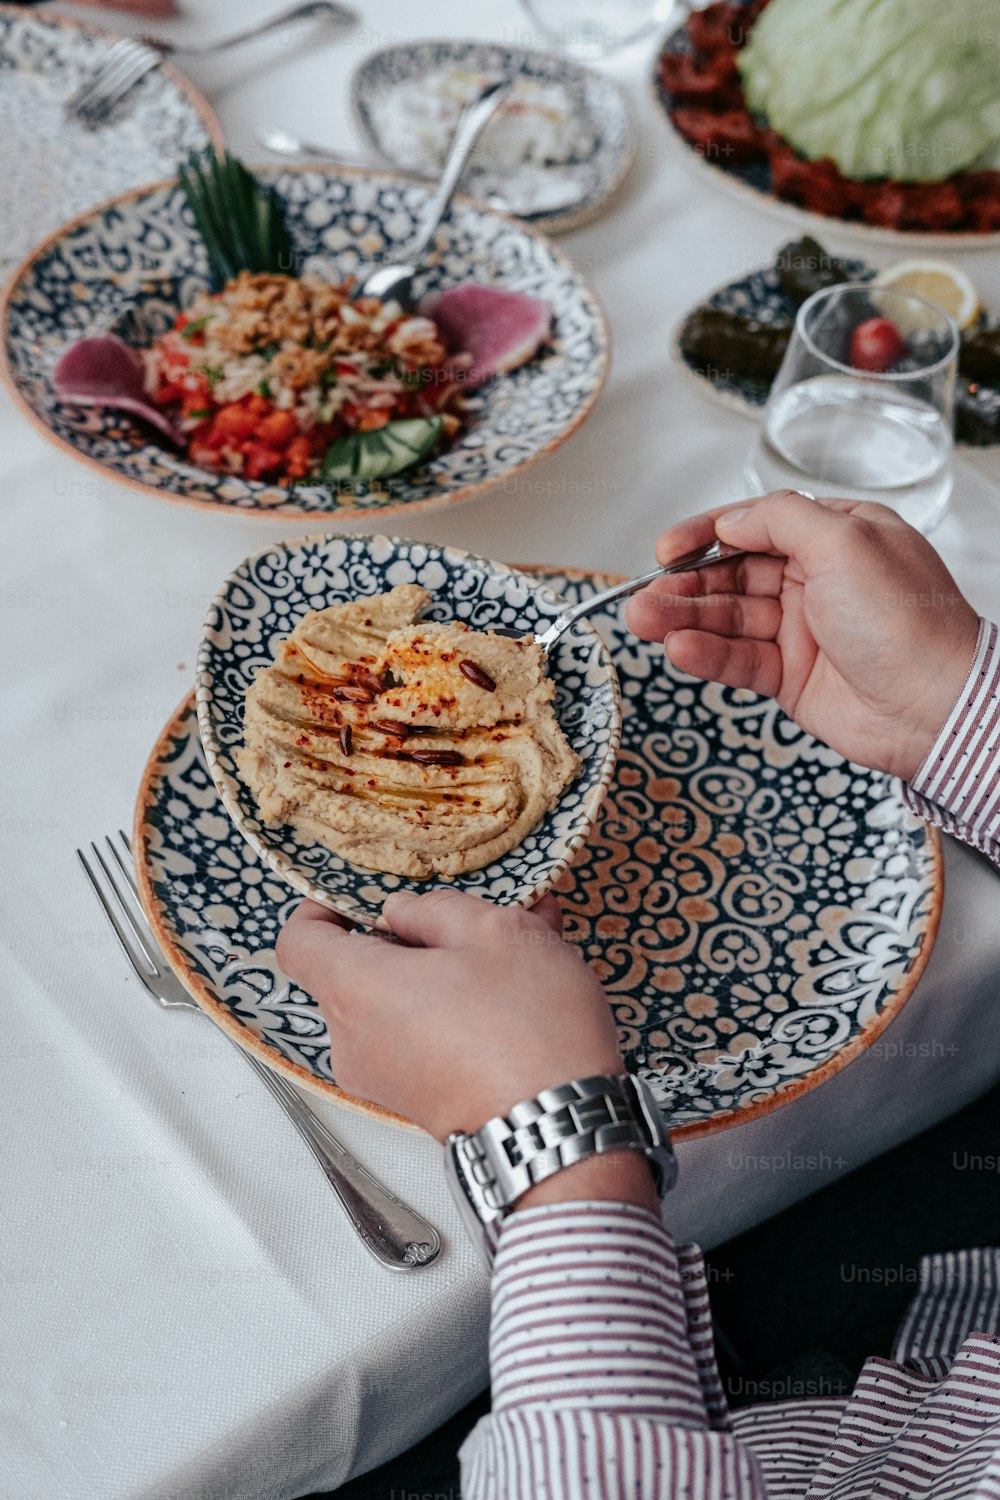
862 403
593 29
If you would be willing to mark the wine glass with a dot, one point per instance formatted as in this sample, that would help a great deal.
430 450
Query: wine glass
862 403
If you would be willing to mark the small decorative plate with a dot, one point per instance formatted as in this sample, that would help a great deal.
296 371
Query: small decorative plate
751 181
757 908
142 254
394 114
263 600
52 167
759 296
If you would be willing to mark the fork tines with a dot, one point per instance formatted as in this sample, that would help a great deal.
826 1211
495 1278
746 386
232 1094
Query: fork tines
124 64
114 886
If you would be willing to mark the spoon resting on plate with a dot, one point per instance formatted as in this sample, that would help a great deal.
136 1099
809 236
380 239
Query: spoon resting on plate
104 371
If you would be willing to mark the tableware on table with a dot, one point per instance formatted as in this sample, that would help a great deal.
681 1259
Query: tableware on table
701 557
284 143
881 434
759 297
757 908
261 602
556 181
393 280
598 28
95 101
74 285
734 165
131 58
54 168
342 15
393 1233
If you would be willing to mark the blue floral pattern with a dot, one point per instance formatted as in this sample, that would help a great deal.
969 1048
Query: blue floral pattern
264 599
756 907
143 255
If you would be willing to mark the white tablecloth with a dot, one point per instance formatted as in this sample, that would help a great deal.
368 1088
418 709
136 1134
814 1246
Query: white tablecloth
184 1311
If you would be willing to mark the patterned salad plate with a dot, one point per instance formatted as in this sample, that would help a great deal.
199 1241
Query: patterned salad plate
141 253
54 168
757 908
558 189
263 600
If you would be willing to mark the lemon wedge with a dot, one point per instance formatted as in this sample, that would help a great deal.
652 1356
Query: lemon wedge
939 282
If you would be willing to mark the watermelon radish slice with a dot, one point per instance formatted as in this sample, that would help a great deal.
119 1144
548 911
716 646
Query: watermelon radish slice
104 371
498 330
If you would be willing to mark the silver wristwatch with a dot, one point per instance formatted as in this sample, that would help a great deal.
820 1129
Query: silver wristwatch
489 1169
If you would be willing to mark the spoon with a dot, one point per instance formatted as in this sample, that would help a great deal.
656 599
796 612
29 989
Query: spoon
554 197
394 282
701 557
284 143
104 371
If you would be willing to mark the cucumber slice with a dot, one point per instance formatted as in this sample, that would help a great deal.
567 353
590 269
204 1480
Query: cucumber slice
361 456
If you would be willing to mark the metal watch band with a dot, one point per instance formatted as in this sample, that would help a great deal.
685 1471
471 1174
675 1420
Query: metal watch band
490 1169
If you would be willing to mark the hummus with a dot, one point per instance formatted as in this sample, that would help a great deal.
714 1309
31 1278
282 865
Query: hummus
418 749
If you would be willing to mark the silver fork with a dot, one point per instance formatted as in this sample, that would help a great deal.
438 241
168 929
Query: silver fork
129 60
702 557
395 1234
124 64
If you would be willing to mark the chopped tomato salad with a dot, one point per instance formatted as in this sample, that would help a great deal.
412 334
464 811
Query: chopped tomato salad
265 375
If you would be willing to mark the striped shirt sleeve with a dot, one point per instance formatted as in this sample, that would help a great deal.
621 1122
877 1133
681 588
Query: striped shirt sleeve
604 1380
958 786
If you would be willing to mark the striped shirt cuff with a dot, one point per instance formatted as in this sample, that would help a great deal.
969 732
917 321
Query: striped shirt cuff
590 1310
958 786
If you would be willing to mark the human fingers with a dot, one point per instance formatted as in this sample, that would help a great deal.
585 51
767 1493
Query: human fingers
653 616
736 663
548 908
320 951
443 918
693 531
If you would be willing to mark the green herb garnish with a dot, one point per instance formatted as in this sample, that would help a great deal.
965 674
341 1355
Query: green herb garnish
240 220
361 456
263 388
212 373
190 329
267 351
203 411
328 378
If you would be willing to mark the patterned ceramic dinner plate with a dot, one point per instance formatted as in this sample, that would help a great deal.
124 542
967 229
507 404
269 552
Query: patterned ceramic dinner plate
566 172
759 295
266 596
142 253
750 181
52 167
757 908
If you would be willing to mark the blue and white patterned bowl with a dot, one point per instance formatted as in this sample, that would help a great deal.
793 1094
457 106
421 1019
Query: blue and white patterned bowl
142 253
757 909
265 597
587 182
